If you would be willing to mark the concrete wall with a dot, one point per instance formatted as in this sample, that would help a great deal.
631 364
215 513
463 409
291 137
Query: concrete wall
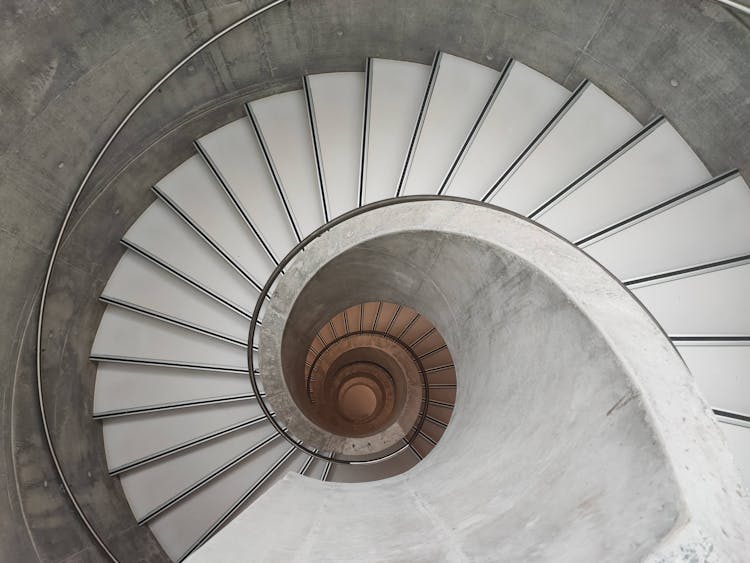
578 432
70 69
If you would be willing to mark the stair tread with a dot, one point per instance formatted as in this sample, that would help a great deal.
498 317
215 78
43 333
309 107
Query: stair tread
525 103
236 154
659 166
284 124
707 227
126 386
195 191
591 128
337 100
712 303
126 334
721 374
159 231
127 439
179 527
138 281
460 91
397 90
156 483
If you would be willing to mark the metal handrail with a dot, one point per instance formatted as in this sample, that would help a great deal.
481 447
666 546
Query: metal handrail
58 240
740 7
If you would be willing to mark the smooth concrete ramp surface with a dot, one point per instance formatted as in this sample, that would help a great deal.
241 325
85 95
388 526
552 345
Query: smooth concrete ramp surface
578 433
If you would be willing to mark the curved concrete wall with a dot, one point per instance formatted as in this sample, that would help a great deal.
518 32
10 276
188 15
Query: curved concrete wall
578 433
71 69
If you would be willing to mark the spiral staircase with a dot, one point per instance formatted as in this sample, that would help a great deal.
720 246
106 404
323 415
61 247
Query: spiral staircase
186 431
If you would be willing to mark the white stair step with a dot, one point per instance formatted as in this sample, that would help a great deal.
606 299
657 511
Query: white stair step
592 127
181 526
659 166
138 281
707 227
457 94
284 127
526 101
152 485
163 235
236 158
129 438
192 188
397 89
337 109
738 438
126 386
124 334
712 303
722 374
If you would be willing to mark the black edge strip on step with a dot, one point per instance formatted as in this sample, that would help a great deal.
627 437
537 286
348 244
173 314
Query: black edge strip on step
238 503
206 237
434 351
710 338
176 405
365 132
316 147
421 338
377 315
536 141
436 421
206 479
185 278
346 322
272 171
440 404
419 124
476 127
408 326
306 466
663 206
443 386
425 436
172 320
393 319
733 415
333 329
187 445
163 363
439 368
717 264
413 450
601 165
235 200
327 470
361 315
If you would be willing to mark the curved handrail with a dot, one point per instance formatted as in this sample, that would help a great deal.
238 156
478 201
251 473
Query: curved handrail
58 240
740 7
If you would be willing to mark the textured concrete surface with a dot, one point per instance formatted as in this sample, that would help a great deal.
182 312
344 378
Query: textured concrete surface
578 432
70 69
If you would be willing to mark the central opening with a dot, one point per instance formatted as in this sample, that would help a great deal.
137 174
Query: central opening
365 375
358 402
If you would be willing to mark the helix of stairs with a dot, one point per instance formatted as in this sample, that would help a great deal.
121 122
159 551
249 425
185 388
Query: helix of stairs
184 431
